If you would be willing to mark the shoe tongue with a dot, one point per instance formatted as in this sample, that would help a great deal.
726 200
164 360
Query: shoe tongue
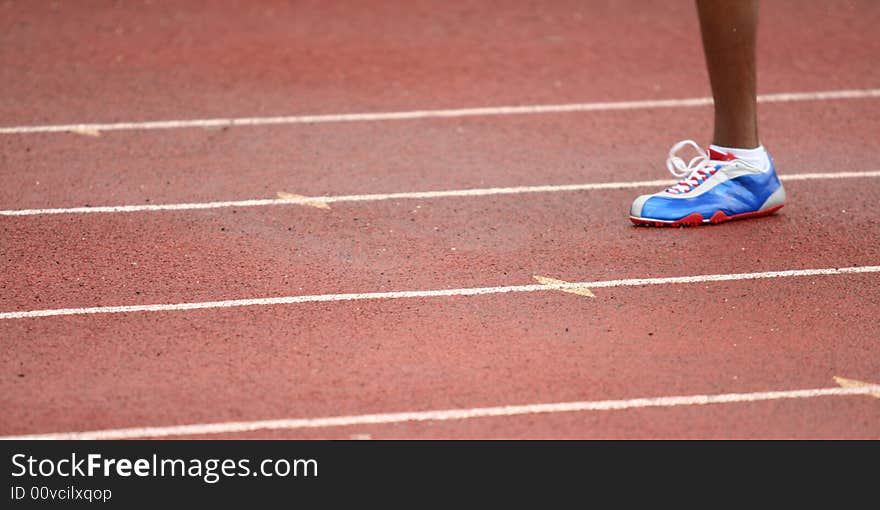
720 156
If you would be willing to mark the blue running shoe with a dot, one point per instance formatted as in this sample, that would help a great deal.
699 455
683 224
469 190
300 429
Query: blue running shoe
715 187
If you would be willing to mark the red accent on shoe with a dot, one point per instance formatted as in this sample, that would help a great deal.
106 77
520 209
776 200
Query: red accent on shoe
720 156
696 219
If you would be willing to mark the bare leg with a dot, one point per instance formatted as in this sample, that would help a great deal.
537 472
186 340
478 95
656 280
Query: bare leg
748 186
729 29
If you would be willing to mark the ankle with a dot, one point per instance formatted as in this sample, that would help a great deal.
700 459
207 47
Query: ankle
756 156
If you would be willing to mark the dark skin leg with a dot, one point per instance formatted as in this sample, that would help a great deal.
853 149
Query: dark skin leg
729 29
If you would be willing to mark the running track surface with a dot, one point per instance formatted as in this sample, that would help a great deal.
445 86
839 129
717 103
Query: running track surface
354 358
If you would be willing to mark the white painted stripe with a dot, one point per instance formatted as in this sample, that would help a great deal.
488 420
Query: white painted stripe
287 300
447 414
425 114
327 199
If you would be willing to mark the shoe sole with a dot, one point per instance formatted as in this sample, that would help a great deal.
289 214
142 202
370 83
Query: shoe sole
696 219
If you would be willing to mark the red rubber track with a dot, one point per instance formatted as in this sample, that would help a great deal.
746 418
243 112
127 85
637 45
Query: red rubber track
107 259
182 61
332 359
193 165
349 358
106 61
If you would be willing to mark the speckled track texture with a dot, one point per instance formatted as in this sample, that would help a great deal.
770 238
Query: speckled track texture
110 62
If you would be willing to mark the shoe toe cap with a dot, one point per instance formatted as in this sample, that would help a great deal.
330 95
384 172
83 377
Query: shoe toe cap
638 205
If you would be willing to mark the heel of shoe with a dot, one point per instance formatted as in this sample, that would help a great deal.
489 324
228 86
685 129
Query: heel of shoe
776 199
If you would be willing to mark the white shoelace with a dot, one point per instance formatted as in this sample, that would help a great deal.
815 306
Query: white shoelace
695 172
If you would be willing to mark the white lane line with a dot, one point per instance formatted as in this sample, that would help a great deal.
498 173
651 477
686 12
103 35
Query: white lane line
327 199
425 114
447 414
287 300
